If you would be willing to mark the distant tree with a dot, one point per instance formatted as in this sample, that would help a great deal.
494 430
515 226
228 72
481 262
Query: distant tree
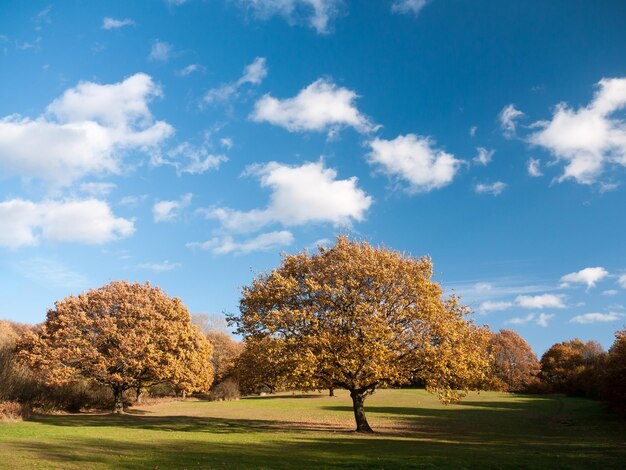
574 367
358 317
515 366
225 349
615 377
123 336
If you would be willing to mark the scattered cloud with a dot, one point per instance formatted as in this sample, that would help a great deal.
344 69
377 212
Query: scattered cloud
414 160
227 143
472 131
112 23
49 272
318 14
190 69
587 276
25 223
193 160
540 301
320 107
301 195
253 73
408 7
622 281
88 130
161 51
133 201
484 156
494 189
534 167
610 292
99 189
263 242
159 267
587 138
596 318
542 319
168 211
507 117
492 306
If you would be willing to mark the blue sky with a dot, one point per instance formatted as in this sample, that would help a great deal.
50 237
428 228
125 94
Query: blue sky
188 143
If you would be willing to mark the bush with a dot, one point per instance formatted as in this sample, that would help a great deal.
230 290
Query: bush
14 411
226 390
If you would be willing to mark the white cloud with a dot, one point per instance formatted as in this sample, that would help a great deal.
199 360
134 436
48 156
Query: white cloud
188 70
484 155
159 267
493 306
87 130
483 286
112 23
508 116
253 73
304 194
227 143
622 281
544 318
494 189
263 242
610 292
587 276
415 160
405 7
321 106
596 318
193 160
99 189
472 131
318 14
521 320
588 138
533 167
161 51
168 211
540 301
24 223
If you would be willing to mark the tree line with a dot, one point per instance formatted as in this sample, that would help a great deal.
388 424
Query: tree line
349 316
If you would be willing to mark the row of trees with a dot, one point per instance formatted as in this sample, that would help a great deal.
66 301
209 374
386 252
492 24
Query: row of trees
351 316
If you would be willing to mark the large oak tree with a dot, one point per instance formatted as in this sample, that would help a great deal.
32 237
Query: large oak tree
357 317
123 336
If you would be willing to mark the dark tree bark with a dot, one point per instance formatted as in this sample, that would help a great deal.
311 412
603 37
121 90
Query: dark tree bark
331 392
138 395
118 407
358 398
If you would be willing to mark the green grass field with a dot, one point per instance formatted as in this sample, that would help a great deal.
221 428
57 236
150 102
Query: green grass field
487 430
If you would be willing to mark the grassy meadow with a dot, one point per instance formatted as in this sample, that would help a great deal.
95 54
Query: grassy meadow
487 430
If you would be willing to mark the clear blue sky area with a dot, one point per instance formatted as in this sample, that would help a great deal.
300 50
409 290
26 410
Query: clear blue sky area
189 143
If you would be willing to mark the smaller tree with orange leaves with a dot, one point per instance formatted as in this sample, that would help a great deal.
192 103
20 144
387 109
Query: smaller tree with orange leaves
515 366
123 336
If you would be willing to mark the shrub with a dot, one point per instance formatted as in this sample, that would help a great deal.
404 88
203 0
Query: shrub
14 411
226 390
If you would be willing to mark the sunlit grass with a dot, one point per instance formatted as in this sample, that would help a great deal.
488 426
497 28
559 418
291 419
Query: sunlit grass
487 430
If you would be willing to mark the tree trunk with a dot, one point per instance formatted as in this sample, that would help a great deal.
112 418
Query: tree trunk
118 407
359 412
138 395
331 392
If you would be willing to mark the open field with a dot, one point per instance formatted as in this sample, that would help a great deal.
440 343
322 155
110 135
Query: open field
487 430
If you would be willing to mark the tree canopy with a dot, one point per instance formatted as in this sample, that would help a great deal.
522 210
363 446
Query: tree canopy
123 336
515 365
358 317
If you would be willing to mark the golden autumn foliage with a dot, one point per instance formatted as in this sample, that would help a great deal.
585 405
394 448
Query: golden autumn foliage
358 317
515 365
574 367
123 336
